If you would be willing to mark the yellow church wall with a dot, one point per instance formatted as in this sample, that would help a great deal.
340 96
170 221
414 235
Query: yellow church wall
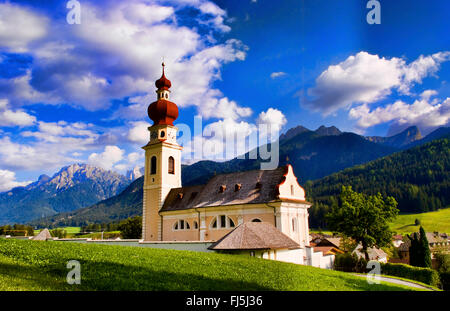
205 217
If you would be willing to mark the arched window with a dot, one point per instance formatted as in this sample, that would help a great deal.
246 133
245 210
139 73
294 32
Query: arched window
171 165
222 222
181 225
153 165
195 225
256 220
292 189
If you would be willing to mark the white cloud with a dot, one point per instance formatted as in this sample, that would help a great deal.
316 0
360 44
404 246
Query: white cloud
223 108
19 27
138 133
366 78
8 181
116 53
16 156
425 114
273 117
110 156
278 74
14 117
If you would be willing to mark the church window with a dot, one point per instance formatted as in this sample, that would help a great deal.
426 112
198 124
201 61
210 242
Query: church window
153 165
195 225
231 222
214 223
171 165
181 225
222 221
292 189
256 220
294 225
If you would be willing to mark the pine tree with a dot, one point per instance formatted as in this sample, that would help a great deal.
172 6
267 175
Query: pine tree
425 249
419 251
414 250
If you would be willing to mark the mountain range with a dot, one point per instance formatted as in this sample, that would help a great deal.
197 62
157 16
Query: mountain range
313 154
73 187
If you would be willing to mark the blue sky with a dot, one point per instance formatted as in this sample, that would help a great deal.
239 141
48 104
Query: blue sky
79 93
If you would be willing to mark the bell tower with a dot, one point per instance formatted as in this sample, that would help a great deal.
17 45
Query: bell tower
162 159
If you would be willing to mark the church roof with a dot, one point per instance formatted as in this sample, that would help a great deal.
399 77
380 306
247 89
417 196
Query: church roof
249 187
255 235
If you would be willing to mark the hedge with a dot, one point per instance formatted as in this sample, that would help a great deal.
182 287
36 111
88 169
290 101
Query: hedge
445 280
424 275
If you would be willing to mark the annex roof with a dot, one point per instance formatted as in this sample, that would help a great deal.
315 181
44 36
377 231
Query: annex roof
255 235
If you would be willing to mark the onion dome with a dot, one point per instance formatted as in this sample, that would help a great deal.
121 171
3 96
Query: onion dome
163 111
163 83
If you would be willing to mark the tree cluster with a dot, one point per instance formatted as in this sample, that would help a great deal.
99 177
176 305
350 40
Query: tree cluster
364 218
17 230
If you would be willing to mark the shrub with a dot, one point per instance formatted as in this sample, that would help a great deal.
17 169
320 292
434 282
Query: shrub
424 275
345 262
417 222
443 261
131 228
445 280
58 233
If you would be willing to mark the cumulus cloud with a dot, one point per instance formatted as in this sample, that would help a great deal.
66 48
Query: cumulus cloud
278 74
365 78
17 156
14 117
8 181
138 133
425 113
110 156
19 27
272 117
116 53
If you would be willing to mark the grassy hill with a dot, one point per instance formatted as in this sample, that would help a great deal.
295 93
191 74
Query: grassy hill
37 265
431 221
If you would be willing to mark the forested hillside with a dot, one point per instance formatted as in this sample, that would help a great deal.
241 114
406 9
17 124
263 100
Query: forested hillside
418 178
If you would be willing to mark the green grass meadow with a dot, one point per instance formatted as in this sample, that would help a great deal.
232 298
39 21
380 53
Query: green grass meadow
69 230
39 265
431 221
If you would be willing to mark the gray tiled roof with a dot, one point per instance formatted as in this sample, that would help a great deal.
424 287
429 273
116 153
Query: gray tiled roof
209 195
255 235
43 235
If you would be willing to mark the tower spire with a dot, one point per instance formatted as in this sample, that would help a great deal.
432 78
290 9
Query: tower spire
163 111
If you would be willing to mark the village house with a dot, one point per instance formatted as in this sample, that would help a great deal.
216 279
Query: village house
262 212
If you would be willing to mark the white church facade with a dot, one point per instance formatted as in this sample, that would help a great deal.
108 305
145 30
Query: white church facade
262 212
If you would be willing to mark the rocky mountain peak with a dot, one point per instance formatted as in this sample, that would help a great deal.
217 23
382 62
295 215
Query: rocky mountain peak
135 173
328 131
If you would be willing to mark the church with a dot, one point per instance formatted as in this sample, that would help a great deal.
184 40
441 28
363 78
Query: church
262 212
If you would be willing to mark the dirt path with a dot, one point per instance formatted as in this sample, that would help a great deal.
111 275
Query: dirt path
400 282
